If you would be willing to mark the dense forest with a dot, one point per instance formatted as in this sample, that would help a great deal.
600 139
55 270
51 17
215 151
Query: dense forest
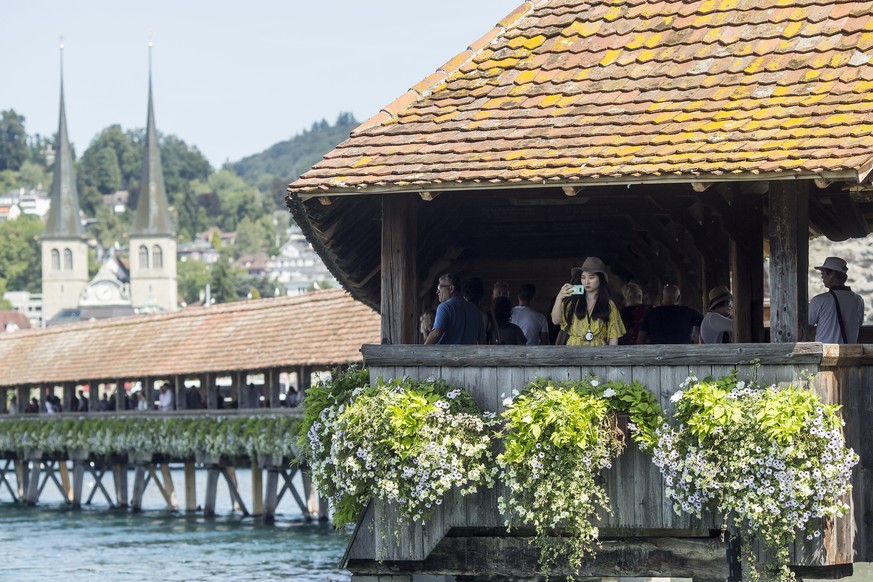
245 197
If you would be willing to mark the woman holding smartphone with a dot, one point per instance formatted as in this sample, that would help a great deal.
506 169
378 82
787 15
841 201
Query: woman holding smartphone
584 310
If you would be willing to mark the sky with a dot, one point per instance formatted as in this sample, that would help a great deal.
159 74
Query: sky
230 77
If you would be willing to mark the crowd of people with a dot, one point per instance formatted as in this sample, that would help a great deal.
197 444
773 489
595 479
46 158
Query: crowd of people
584 313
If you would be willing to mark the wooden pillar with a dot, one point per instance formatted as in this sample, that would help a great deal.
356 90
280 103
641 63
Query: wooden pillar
139 484
235 389
212 474
119 475
65 480
32 495
21 475
747 267
78 481
179 393
69 392
272 499
233 485
169 489
399 269
789 260
23 398
257 490
271 377
211 391
190 487
148 392
4 397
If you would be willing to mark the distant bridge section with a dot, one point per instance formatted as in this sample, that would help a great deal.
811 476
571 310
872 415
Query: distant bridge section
249 354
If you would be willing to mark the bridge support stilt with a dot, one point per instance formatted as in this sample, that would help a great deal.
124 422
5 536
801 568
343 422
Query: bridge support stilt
190 487
119 473
65 480
212 474
272 497
21 477
78 482
32 495
257 491
139 485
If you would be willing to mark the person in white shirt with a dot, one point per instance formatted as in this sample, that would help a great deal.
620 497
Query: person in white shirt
165 399
533 323
837 315
717 325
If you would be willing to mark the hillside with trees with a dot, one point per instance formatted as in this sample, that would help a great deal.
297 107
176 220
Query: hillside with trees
245 198
273 169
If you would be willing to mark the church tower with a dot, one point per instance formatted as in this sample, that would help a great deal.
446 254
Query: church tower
64 245
152 235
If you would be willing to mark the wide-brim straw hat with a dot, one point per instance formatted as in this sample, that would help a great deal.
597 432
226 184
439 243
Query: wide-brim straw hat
591 265
718 295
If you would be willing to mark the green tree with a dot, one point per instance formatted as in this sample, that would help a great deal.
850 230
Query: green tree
111 162
4 305
35 176
108 173
13 140
225 279
20 259
249 237
192 278
111 227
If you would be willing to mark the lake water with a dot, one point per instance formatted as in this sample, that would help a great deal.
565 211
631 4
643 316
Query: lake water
107 545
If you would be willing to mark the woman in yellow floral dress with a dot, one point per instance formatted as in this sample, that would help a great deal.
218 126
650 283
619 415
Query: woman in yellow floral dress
590 318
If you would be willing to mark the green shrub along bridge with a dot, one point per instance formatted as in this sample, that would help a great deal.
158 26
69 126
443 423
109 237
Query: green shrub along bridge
217 388
60 450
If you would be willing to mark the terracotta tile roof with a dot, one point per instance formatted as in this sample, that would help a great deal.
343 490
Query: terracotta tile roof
573 91
319 329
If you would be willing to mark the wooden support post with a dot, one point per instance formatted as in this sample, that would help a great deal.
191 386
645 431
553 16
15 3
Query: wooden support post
78 481
119 475
43 388
165 492
233 486
211 391
399 269
169 486
236 390
747 268
789 260
23 398
271 377
32 495
272 500
65 480
310 495
212 474
21 477
257 491
148 392
4 398
179 393
139 484
190 487
69 392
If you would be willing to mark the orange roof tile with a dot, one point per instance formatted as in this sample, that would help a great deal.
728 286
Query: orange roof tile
321 329
582 90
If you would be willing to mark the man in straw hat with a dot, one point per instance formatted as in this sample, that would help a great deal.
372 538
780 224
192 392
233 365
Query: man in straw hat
717 324
837 314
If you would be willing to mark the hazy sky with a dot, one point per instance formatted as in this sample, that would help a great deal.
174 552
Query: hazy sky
231 77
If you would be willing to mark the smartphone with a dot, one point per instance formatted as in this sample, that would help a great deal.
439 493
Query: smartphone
578 289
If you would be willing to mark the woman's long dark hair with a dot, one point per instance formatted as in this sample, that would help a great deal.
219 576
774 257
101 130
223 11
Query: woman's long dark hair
578 304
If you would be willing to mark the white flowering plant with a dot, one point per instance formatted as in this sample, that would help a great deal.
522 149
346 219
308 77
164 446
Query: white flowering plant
557 440
768 459
404 441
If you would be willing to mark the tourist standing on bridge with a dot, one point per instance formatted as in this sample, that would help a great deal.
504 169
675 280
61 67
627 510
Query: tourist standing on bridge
457 321
584 309
670 322
165 399
717 325
837 314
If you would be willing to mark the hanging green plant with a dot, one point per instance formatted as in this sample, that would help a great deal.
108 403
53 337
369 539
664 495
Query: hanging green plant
179 438
403 441
768 459
557 439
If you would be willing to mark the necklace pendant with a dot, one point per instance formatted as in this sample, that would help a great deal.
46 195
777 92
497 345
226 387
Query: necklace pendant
589 336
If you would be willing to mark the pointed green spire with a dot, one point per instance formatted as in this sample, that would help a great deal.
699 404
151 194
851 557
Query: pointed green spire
152 211
63 216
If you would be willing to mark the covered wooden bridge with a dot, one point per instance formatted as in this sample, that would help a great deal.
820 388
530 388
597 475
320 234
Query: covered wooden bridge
681 141
236 352
242 365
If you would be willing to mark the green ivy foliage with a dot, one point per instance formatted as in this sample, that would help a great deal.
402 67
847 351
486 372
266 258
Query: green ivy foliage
180 438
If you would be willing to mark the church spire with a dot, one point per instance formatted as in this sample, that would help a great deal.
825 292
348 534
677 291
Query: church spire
152 212
63 217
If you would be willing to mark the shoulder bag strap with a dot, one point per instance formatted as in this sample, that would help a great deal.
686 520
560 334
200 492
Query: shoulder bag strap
839 315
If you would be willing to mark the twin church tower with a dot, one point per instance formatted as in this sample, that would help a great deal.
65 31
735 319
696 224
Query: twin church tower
152 268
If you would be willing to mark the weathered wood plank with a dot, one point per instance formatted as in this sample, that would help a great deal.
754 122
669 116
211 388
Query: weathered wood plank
789 252
568 356
513 556
648 486
398 269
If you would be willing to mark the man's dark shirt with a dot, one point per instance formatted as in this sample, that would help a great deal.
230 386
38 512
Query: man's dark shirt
671 324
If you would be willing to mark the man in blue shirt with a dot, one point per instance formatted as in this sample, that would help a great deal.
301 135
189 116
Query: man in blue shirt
457 321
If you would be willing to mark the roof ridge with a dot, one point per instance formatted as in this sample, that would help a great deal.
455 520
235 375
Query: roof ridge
425 87
231 307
